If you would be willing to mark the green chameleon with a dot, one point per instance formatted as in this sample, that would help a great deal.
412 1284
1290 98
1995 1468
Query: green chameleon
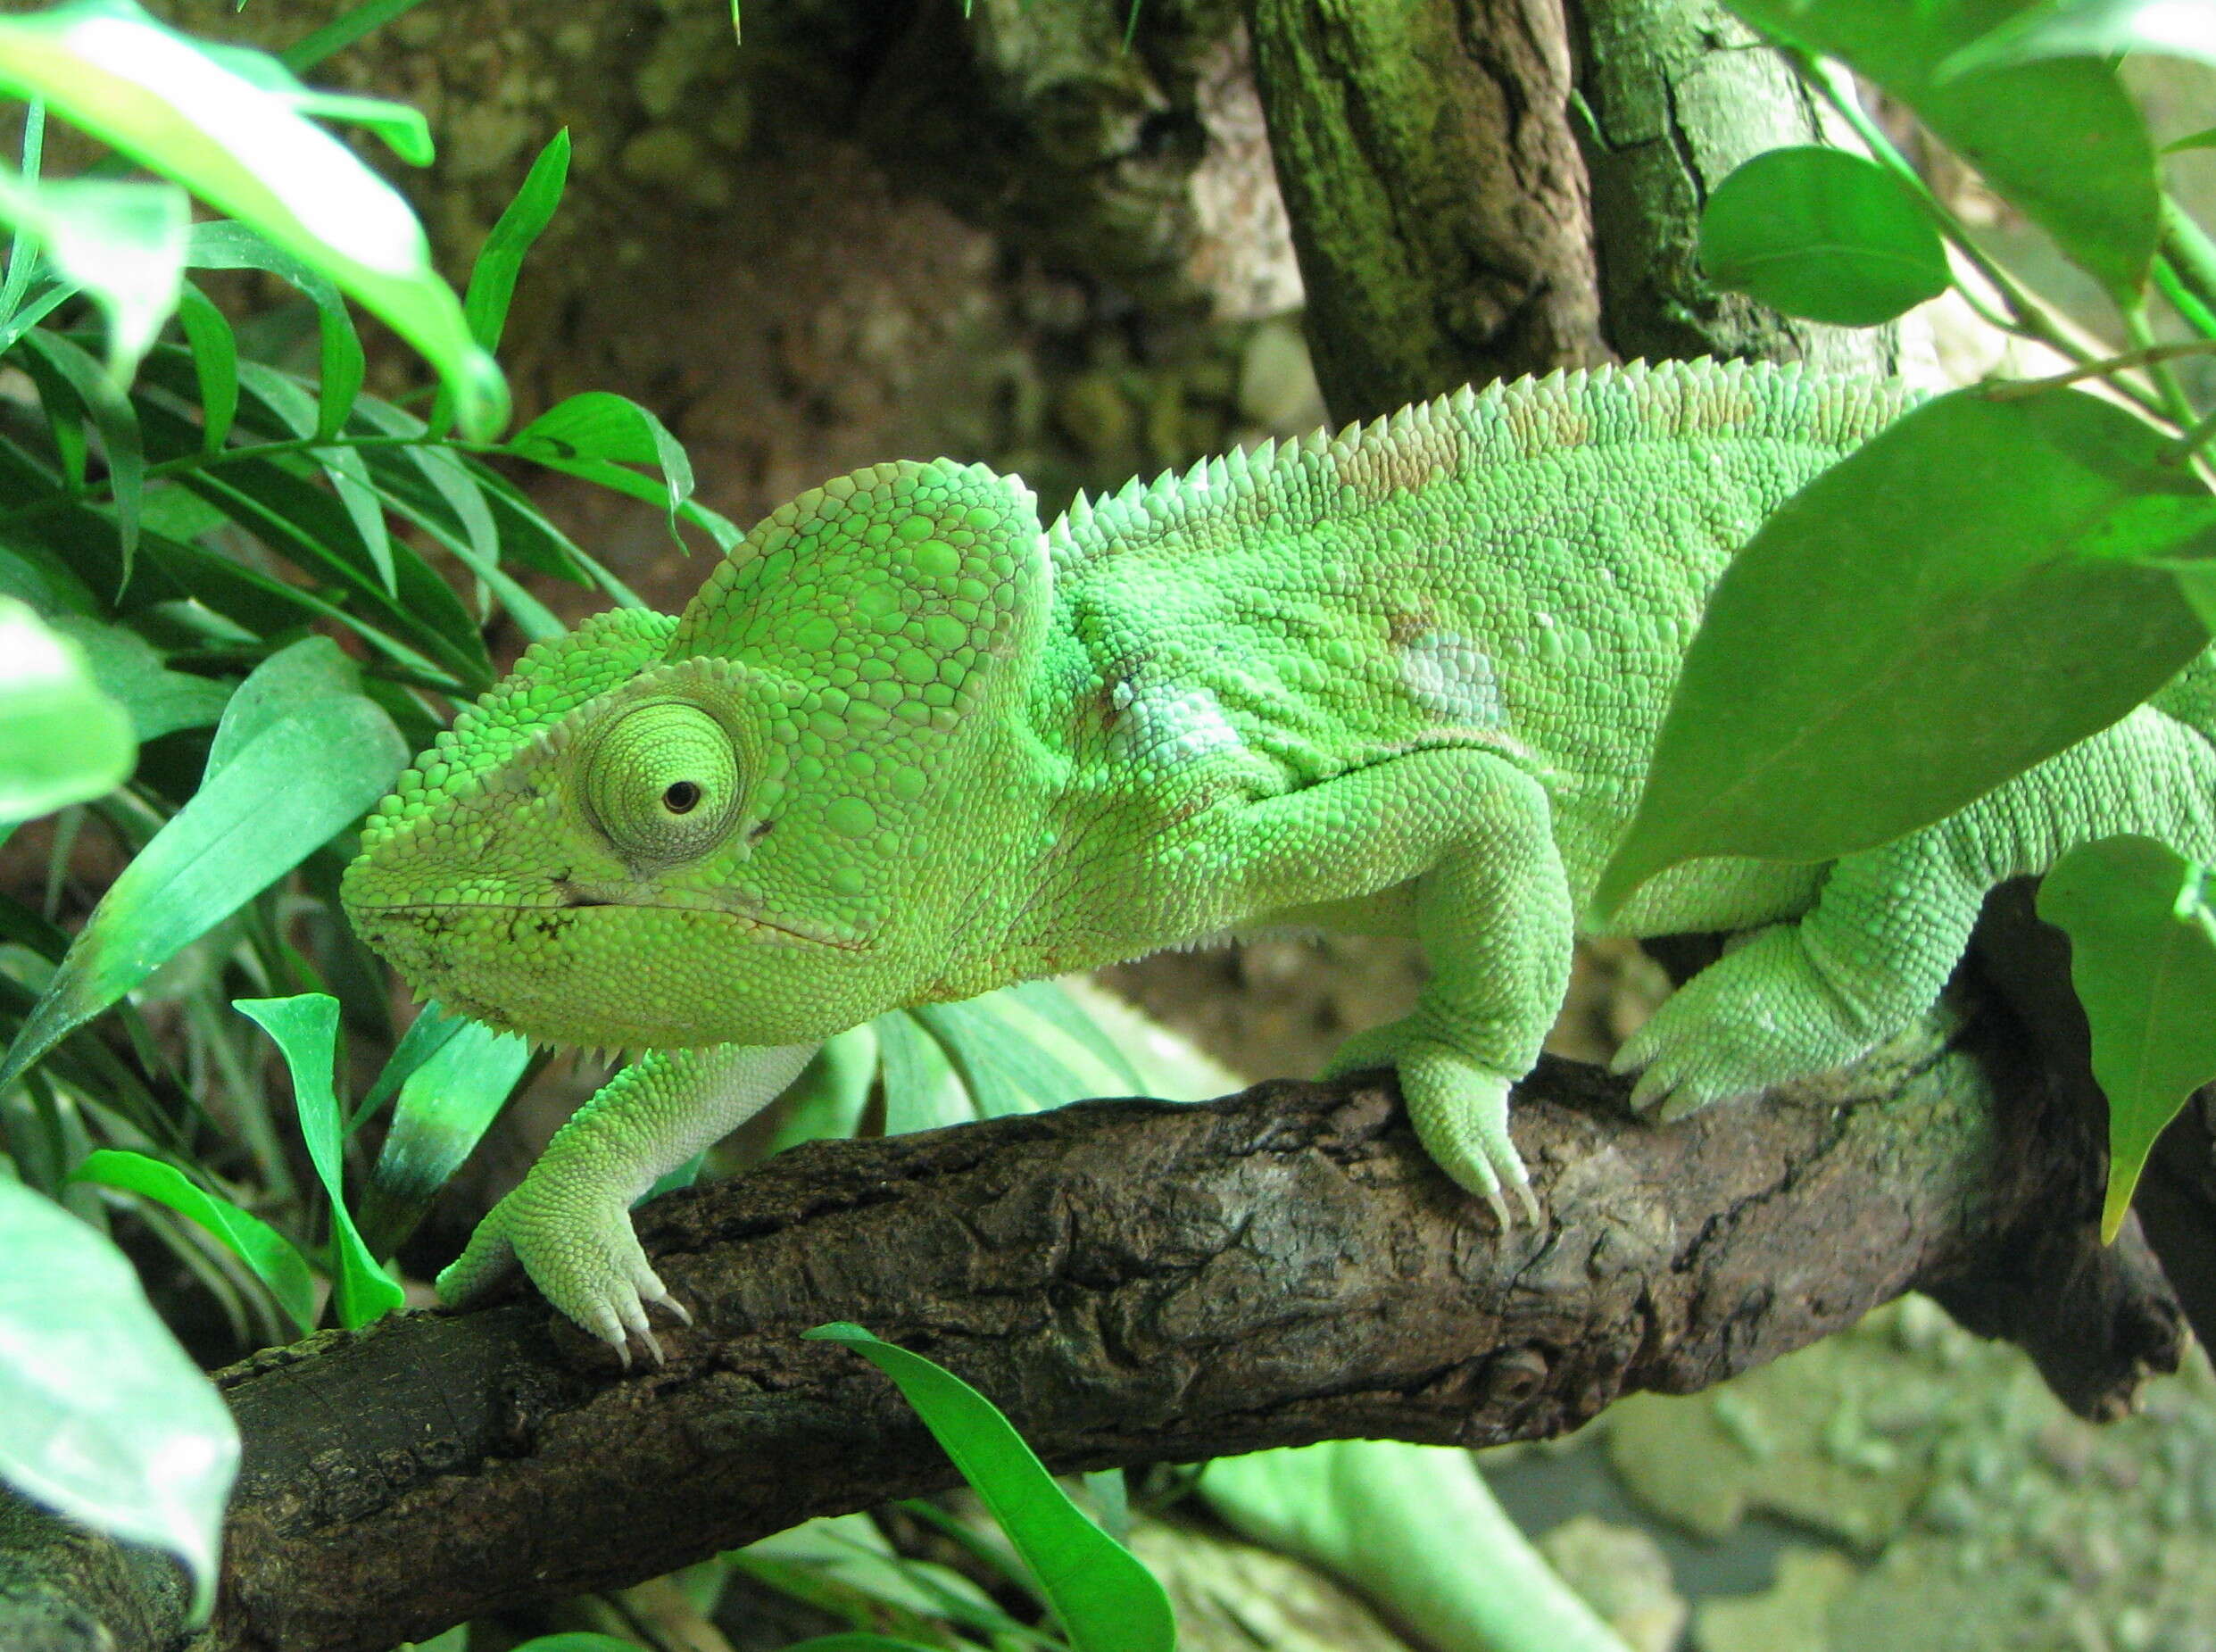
906 746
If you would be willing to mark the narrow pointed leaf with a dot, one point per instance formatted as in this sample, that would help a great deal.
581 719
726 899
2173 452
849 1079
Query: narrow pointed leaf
1977 588
244 146
306 1029
493 277
1106 1600
342 31
445 1106
62 739
2143 959
307 774
102 1414
215 363
615 430
275 1260
114 418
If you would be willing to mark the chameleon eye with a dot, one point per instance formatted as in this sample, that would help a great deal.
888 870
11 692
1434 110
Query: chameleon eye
663 783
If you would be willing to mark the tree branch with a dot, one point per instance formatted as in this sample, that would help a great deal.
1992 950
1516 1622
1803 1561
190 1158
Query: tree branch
1135 1282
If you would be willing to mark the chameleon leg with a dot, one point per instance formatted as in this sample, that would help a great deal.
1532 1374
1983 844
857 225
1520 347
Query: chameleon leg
1493 911
569 1221
1889 925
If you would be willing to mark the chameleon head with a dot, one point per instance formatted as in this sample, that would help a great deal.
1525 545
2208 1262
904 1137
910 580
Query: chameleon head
614 869
716 829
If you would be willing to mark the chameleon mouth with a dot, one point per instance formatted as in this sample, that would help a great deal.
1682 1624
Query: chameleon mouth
417 911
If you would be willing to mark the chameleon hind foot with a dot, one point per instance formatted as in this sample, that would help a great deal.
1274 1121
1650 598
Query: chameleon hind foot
582 1254
1760 1015
1460 1112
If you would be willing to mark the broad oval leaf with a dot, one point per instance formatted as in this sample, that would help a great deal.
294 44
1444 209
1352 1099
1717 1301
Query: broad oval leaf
242 144
2143 959
62 739
1106 1600
1965 596
102 1414
311 771
1824 235
305 1027
2061 140
274 1258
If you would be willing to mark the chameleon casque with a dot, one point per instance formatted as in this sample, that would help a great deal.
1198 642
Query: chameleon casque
908 745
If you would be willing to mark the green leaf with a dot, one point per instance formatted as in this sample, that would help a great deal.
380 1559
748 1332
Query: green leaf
2143 958
306 1029
343 366
1417 1530
2062 140
2096 28
1006 1071
493 277
23 256
346 468
103 1417
342 31
1824 235
272 1257
613 430
855 1641
308 773
1963 597
922 1089
246 149
577 1641
112 416
1106 1601
62 739
158 700
827 1101
215 363
2197 140
122 242
446 1104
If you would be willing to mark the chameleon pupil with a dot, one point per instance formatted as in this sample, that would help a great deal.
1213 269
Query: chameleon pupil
681 798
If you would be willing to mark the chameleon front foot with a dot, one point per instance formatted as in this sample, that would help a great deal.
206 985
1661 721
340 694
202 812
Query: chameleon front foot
580 1252
1460 1112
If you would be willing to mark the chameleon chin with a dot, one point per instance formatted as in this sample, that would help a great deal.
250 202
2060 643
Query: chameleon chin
907 744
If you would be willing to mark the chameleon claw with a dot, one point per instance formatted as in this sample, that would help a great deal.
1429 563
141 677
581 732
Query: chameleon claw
675 1309
1499 1207
1529 1201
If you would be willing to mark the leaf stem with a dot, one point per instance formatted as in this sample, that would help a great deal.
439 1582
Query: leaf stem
2148 355
2026 315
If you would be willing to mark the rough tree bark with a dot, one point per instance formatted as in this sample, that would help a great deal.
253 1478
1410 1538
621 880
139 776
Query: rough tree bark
1138 1281
1438 202
1675 94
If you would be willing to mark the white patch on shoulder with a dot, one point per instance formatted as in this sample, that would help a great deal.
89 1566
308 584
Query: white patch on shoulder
1451 675
1165 725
